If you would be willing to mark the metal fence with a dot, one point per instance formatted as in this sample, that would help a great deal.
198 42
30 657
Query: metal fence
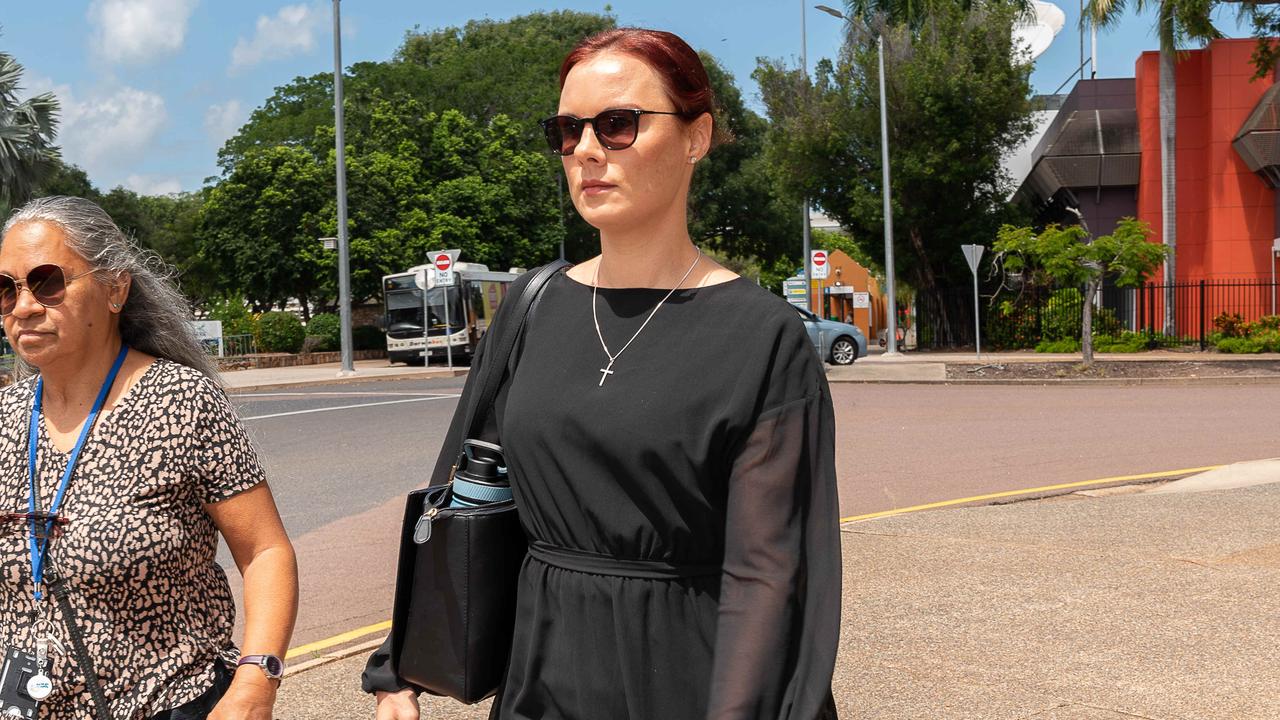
235 345
1023 319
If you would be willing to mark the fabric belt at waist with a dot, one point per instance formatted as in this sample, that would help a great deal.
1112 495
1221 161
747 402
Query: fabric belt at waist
582 561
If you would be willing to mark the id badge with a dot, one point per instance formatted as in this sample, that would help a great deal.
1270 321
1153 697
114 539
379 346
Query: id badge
16 676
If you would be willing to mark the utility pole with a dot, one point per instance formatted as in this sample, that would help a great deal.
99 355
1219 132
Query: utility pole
344 255
804 218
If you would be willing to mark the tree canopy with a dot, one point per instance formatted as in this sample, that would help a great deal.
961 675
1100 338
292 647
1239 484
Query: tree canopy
27 132
957 102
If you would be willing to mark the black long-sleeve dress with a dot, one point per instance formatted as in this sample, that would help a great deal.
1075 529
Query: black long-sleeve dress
685 557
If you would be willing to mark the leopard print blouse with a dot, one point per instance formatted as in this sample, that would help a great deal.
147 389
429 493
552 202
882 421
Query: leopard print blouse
138 556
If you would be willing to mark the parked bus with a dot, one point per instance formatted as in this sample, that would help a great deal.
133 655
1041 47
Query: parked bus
475 296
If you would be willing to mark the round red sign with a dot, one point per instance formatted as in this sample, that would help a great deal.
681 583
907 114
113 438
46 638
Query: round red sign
819 258
443 262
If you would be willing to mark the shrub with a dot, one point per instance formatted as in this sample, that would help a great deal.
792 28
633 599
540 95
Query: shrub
1067 345
1240 345
235 316
280 332
1231 325
368 337
1268 322
1268 339
326 328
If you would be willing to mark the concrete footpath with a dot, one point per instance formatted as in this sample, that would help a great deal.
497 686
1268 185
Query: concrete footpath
305 375
1118 603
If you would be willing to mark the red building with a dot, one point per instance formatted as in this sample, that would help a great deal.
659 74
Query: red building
1100 157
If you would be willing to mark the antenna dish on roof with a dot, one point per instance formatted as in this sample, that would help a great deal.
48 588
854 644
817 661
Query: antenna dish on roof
1034 34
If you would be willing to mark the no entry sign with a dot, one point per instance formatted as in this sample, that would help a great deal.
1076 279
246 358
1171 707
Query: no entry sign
819 265
443 262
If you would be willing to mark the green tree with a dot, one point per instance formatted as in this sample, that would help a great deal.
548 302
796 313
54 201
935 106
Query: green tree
27 132
258 228
1068 257
957 102
1177 22
736 207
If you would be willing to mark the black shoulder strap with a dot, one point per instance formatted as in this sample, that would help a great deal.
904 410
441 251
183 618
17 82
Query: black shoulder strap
500 341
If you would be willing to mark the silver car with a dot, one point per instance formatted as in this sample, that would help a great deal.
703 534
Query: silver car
836 342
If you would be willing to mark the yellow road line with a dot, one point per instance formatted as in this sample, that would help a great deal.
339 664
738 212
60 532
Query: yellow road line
382 627
345 637
1028 491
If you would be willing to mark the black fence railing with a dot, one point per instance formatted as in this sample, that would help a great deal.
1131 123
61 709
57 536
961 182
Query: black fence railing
1024 319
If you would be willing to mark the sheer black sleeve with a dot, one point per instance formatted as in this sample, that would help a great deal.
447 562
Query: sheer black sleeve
779 620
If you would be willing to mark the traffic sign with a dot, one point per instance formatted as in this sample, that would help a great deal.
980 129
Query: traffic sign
973 253
444 262
861 300
793 290
819 264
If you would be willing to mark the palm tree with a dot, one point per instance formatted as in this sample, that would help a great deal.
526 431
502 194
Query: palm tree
27 130
1177 21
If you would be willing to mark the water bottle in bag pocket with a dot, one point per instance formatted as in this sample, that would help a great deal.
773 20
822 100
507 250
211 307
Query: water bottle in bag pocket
481 476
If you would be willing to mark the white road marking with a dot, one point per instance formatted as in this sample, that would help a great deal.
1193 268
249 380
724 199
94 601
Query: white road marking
348 407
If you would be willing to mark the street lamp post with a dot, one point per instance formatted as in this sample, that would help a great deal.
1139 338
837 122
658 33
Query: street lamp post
344 263
891 326
805 227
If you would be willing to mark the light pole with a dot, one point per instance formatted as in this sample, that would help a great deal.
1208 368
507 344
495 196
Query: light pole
891 326
806 230
344 268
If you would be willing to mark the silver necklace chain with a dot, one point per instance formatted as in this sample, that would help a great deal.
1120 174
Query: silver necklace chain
605 372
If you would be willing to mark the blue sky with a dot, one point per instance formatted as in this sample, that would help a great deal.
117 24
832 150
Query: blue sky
152 88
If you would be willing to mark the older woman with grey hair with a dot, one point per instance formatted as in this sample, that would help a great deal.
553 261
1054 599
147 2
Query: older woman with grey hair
121 459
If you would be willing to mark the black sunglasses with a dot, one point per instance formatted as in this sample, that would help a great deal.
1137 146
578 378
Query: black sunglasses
615 129
46 283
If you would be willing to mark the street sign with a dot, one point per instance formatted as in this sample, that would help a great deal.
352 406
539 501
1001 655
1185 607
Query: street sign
329 243
973 253
819 264
793 291
861 300
444 261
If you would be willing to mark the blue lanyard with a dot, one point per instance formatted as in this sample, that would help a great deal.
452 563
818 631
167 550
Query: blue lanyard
38 547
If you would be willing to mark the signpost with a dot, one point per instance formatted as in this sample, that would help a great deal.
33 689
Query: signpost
444 260
1275 250
821 265
209 334
793 289
973 254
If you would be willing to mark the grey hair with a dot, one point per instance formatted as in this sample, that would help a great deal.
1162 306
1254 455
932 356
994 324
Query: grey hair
156 316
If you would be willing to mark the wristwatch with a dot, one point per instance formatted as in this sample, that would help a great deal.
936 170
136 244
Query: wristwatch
271 665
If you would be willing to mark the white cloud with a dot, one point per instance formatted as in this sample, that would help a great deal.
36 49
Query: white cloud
139 30
291 31
108 131
221 121
152 185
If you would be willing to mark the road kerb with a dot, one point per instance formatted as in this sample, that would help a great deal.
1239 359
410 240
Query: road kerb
1167 474
335 656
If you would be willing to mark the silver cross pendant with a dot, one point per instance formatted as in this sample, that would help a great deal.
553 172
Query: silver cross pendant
605 372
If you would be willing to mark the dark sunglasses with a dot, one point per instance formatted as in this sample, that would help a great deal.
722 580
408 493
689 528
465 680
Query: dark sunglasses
615 129
47 525
46 283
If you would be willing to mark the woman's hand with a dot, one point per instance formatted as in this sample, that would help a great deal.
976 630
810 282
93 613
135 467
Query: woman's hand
251 696
401 705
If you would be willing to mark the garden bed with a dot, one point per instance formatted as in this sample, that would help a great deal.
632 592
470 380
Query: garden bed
1126 369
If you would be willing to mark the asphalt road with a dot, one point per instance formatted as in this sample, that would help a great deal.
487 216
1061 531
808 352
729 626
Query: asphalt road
341 458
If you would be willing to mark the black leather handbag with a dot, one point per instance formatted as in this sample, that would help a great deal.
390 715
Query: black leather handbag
454 611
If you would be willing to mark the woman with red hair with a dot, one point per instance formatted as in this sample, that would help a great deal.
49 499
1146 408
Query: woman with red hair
670 439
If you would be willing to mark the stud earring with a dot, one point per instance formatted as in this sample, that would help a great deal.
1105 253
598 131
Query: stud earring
693 159
115 305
